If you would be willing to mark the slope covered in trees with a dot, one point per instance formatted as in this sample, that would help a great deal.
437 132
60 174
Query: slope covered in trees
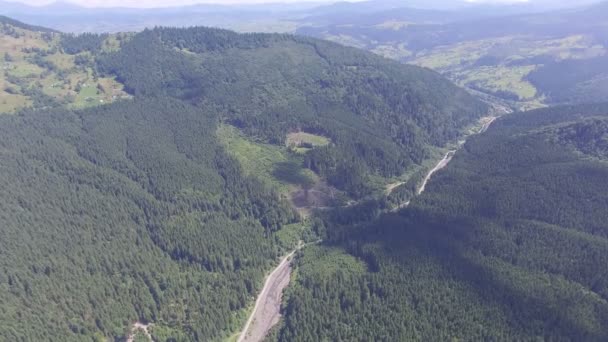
127 212
573 81
135 211
380 115
509 242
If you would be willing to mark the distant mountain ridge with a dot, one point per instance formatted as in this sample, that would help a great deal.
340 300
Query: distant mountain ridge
271 17
16 23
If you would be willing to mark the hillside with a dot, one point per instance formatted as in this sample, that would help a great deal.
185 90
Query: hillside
156 209
44 68
509 242
380 116
499 51
506 56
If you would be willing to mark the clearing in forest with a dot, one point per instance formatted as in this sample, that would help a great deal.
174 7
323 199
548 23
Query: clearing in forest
302 142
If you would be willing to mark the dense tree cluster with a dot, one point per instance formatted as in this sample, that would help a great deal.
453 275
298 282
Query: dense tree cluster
509 242
84 42
589 137
125 212
573 81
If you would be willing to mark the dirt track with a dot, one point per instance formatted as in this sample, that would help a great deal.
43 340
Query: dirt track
486 122
267 310
442 163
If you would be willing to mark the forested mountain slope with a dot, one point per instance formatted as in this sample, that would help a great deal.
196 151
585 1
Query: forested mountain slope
136 211
380 115
509 242
126 212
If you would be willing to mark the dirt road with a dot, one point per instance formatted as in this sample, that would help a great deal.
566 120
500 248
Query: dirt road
486 123
267 310
442 163
490 120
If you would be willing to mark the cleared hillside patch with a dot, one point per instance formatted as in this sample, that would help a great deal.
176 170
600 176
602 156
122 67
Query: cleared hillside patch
34 62
270 163
302 142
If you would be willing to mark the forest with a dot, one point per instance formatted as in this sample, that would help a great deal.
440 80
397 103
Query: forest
509 242
128 212
573 81
134 211
138 211
381 115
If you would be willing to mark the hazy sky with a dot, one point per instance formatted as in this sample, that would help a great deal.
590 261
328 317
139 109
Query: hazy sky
169 3
159 3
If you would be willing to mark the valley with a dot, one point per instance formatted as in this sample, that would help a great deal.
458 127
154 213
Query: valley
383 173
477 226
504 56
206 163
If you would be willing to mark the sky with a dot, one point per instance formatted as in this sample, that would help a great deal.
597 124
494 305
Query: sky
158 3
172 3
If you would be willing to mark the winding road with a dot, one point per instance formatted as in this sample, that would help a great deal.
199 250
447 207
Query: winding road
486 123
442 163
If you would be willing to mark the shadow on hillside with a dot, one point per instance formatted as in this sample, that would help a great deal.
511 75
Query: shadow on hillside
450 243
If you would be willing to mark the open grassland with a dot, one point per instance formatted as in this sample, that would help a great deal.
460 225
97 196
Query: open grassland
33 64
501 66
303 137
395 25
506 49
501 78
346 40
9 102
571 47
393 51
454 56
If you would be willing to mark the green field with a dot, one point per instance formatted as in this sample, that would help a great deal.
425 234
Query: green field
508 71
8 102
272 164
33 61
501 78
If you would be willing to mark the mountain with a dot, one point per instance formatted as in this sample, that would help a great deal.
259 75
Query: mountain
169 206
495 53
270 85
508 242
271 17
6 21
67 17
